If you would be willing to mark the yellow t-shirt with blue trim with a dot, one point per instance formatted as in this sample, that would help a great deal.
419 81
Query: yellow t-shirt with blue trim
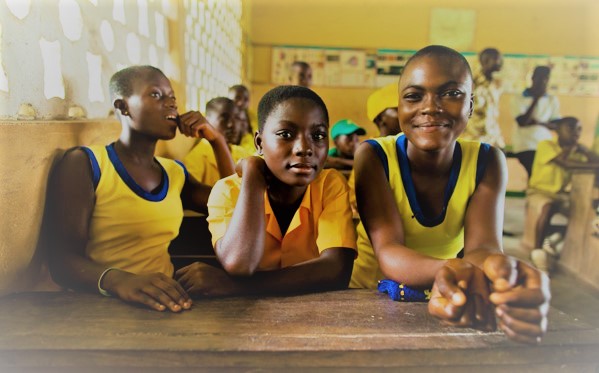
130 228
322 221
201 161
440 236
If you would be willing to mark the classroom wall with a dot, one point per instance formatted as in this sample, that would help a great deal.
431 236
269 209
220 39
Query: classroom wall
554 27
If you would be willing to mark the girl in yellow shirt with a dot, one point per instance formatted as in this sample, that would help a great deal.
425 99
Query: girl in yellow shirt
404 211
115 209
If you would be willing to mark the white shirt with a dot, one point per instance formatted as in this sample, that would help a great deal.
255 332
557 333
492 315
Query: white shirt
527 138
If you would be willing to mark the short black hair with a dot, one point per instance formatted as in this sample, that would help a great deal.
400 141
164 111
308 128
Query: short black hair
491 52
121 83
217 103
302 64
280 94
566 121
238 87
440 51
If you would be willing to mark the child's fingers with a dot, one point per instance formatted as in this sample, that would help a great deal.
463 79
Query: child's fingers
529 315
521 338
162 297
519 297
448 286
143 298
501 271
176 292
522 332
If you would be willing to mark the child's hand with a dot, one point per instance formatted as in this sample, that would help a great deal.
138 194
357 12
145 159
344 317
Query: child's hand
521 295
460 296
253 166
203 280
154 290
193 124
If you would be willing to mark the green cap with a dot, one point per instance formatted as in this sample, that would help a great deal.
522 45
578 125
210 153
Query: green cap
346 127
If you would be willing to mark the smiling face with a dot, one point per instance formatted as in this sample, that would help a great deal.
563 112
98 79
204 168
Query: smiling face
435 101
151 106
294 141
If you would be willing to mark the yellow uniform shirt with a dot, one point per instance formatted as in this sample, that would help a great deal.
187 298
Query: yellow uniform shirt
201 161
130 228
546 175
441 236
323 220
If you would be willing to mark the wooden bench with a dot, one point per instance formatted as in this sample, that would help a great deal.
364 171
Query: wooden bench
348 330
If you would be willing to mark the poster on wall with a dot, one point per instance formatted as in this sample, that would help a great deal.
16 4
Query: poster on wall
570 76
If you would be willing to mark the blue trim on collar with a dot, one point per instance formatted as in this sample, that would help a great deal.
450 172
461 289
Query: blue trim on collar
184 169
122 171
482 161
381 154
408 182
96 173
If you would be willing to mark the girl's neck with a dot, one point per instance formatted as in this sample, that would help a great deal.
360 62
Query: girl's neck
439 162
285 195
135 151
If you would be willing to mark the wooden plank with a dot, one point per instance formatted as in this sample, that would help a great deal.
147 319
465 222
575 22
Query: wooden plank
351 329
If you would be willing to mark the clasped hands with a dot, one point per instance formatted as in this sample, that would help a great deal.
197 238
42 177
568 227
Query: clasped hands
506 293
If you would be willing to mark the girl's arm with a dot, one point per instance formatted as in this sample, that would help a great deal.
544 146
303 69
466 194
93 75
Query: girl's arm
242 246
330 271
71 199
382 221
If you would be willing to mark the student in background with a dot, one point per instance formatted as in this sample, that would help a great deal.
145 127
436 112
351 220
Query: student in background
484 124
345 134
425 195
534 110
300 74
241 96
381 109
114 209
201 161
546 192
282 225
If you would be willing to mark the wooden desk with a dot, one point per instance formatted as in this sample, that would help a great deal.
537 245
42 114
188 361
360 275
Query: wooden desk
351 330
580 256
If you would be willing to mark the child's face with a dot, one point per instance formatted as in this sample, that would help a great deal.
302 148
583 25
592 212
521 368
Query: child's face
294 141
387 122
242 122
347 144
152 106
435 101
301 76
223 120
569 133
241 97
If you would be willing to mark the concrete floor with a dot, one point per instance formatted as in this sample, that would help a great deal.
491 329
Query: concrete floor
568 295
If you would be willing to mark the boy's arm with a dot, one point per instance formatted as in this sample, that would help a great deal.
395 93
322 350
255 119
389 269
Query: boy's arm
242 246
339 163
382 221
563 159
330 271
71 204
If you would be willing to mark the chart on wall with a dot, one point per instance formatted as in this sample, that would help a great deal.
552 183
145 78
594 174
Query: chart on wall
570 76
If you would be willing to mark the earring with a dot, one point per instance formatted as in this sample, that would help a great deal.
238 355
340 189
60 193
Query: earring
125 113
260 151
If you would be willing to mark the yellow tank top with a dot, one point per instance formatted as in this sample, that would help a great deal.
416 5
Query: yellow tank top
131 229
440 236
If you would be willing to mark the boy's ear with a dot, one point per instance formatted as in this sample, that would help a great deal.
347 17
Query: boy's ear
121 105
258 142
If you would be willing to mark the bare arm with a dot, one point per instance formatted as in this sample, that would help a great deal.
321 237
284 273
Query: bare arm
193 124
72 201
331 271
382 221
483 223
563 160
339 163
241 248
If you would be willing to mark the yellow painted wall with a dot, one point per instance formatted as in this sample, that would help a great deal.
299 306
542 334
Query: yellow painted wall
554 27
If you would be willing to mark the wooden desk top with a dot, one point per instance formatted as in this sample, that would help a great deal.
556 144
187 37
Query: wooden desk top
352 330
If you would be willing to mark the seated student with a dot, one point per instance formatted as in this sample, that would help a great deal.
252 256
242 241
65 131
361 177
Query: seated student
381 109
545 196
114 209
345 136
283 224
200 161
425 195
241 96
